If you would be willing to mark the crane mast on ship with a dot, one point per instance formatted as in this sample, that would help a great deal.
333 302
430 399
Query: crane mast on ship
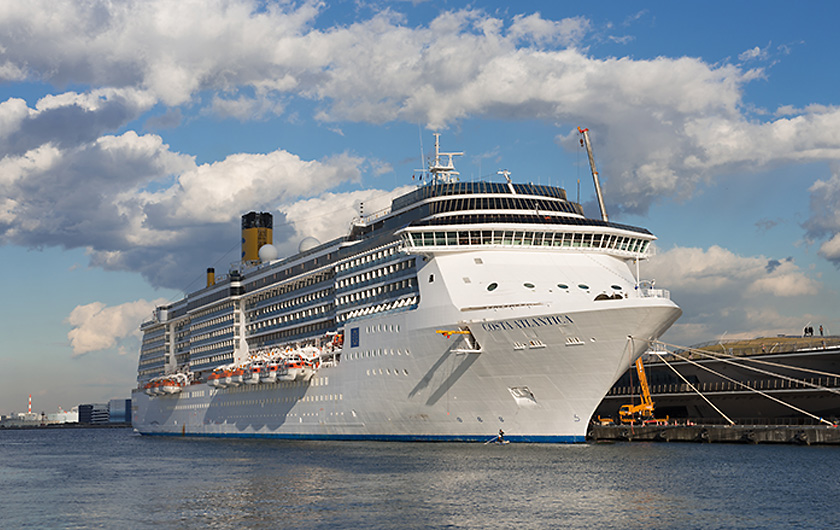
586 143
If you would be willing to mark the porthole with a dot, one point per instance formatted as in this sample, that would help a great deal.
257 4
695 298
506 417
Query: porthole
492 286
528 285
583 286
616 287
562 286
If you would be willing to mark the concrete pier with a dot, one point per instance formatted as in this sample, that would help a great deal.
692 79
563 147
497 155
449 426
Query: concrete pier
748 434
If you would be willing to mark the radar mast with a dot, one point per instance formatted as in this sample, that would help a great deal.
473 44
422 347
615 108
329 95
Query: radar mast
443 172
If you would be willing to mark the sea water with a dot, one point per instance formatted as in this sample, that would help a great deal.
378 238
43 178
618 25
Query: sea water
114 478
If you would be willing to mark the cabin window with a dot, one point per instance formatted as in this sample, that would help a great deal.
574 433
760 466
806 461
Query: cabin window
528 238
528 285
492 286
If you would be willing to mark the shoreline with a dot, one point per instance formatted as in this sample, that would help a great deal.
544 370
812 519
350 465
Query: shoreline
66 426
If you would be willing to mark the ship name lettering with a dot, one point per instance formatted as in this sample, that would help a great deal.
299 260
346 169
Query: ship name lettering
522 323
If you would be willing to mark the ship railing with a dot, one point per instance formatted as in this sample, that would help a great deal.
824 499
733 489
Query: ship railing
655 293
368 219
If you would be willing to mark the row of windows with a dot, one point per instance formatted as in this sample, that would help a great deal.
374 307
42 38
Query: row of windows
217 309
287 399
465 188
508 202
211 335
223 358
279 337
152 351
224 345
149 336
376 273
530 286
407 303
289 303
290 287
361 296
381 352
367 258
152 360
152 345
524 218
383 328
141 374
291 317
526 238
227 319
387 371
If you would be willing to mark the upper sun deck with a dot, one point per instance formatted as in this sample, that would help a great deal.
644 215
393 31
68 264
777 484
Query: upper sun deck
503 190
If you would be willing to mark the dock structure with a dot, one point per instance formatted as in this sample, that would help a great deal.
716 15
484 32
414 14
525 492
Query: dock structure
745 434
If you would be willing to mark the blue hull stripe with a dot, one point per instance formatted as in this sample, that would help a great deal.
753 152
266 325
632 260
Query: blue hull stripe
548 439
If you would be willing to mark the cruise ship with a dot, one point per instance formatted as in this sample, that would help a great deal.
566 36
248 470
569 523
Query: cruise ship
463 312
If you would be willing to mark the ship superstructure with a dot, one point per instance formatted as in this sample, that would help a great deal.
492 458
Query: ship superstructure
464 308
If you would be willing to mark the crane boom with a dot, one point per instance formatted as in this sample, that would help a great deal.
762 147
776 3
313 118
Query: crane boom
588 145
629 412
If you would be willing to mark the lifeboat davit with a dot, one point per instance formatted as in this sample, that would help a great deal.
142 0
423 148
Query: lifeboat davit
252 375
292 366
236 377
270 373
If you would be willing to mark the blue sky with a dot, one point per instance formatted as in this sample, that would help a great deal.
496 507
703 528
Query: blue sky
134 134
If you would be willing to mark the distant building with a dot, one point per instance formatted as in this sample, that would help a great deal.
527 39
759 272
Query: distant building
64 416
93 414
119 411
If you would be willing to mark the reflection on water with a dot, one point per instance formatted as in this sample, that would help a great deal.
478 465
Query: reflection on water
115 479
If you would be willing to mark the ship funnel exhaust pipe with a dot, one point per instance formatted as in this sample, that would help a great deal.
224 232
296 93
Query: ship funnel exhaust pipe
211 276
256 232
588 145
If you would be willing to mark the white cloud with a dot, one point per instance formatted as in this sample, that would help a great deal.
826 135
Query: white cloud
139 206
567 32
695 270
753 54
670 123
720 291
824 222
463 63
329 215
97 326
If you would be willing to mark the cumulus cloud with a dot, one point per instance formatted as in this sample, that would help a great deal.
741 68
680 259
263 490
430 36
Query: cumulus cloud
251 58
97 326
134 203
824 222
696 270
329 215
671 123
721 291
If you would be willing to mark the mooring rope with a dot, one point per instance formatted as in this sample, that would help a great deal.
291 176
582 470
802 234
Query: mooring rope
694 388
738 383
729 359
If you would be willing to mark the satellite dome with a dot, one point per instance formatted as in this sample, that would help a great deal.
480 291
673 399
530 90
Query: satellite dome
268 253
308 243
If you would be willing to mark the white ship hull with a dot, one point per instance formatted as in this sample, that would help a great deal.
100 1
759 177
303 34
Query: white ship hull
539 372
